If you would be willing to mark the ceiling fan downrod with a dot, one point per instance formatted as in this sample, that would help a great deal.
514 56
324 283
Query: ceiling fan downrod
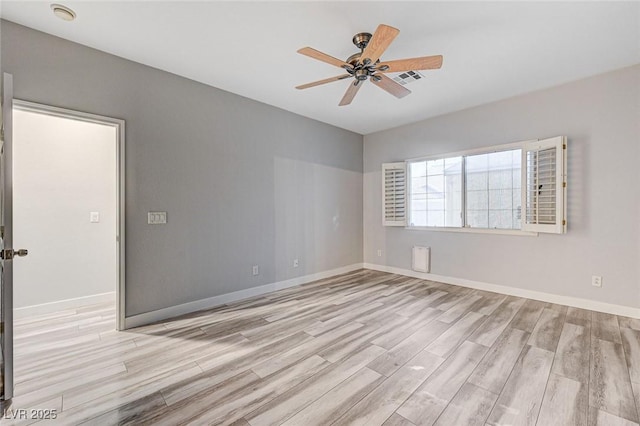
362 69
361 40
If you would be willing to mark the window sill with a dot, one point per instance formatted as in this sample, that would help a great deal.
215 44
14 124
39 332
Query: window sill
474 230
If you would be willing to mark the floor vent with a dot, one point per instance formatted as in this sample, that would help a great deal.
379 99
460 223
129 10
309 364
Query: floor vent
421 259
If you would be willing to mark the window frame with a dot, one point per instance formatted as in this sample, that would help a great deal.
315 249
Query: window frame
522 145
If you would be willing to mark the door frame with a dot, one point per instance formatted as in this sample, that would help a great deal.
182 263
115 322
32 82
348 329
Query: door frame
120 185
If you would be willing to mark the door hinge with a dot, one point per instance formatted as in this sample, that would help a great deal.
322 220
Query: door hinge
564 222
564 184
564 146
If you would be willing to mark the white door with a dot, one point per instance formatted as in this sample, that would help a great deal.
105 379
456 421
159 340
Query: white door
7 254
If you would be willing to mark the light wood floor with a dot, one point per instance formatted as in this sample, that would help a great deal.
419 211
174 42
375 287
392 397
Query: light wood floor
363 348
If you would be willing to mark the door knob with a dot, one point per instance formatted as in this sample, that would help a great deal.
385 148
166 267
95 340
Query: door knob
8 254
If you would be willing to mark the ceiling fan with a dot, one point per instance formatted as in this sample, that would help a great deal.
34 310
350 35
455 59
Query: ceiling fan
366 64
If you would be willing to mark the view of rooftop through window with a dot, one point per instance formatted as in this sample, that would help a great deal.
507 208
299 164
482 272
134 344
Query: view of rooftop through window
490 191
436 192
493 190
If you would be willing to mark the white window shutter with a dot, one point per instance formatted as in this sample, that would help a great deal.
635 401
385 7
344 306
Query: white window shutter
545 184
394 194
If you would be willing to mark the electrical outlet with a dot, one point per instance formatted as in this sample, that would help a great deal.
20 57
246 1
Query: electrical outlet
596 281
256 270
379 253
296 263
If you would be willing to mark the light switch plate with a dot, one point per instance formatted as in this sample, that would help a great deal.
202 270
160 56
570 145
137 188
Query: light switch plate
94 217
156 218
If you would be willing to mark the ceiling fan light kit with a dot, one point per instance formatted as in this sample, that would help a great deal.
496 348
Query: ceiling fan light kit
366 65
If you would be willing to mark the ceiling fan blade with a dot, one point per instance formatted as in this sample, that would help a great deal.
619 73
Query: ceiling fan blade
352 90
385 83
325 81
381 39
412 64
316 54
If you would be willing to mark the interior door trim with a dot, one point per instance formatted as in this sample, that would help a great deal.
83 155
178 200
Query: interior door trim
120 184
7 286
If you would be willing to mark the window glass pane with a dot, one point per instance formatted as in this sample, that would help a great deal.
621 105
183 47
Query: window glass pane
417 194
435 193
501 219
517 177
418 218
477 180
500 160
419 185
435 167
435 186
500 199
418 169
435 204
493 189
419 202
478 200
499 179
453 201
477 163
517 195
435 217
452 209
517 159
517 219
478 218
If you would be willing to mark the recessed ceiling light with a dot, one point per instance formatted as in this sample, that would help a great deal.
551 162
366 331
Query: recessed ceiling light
63 12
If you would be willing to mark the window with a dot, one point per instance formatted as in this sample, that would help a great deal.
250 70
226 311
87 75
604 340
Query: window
514 187
493 190
435 192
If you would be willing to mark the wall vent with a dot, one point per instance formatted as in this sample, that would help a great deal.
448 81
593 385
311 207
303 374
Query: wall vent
407 77
421 261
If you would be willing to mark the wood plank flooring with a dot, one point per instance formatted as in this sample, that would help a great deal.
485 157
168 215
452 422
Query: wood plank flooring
363 348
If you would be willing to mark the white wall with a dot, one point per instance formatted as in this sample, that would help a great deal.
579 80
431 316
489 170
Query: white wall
601 118
63 170
222 166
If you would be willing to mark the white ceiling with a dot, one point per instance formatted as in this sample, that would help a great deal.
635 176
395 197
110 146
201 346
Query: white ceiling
492 50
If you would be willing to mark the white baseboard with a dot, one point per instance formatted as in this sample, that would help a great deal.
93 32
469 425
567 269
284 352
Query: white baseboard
576 302
61 305
211 302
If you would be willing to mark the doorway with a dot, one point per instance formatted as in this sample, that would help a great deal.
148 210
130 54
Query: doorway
68 210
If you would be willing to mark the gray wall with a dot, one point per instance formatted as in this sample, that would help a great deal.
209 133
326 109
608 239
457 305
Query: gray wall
63 169
243 183
601 118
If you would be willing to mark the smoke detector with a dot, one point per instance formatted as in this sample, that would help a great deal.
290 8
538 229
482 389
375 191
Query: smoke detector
63 12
